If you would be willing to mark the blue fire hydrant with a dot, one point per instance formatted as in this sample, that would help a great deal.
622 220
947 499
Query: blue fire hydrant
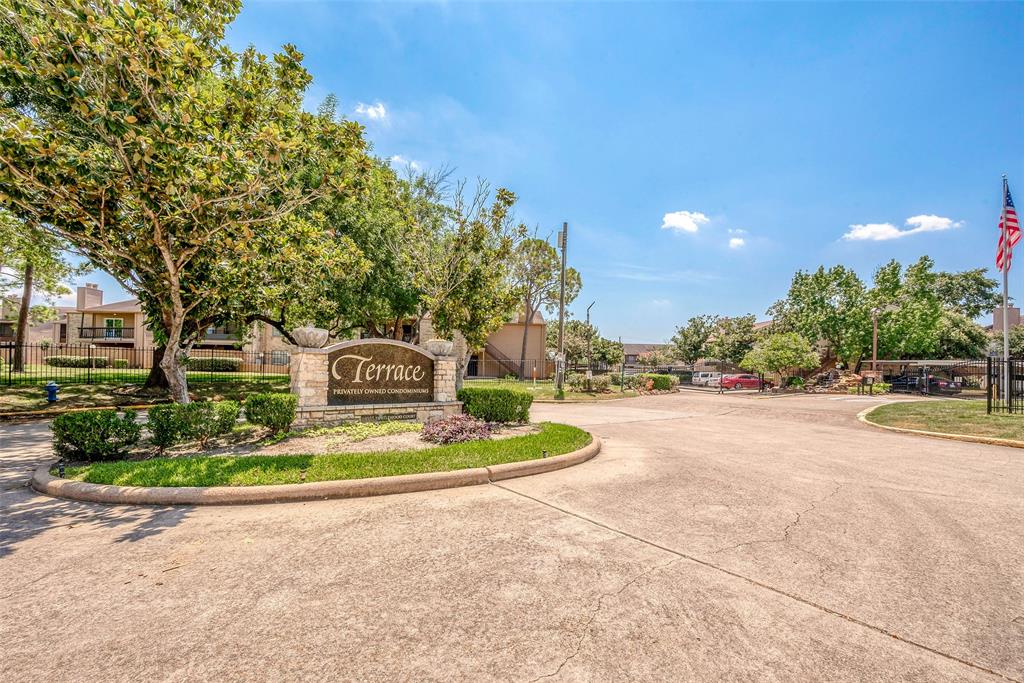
51 392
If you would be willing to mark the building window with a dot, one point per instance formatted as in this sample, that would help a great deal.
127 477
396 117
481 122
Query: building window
278 358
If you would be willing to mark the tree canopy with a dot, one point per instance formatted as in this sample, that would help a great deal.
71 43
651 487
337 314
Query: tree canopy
780 353
690 342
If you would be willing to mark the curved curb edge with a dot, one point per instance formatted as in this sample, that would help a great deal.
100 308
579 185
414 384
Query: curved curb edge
966 438
45 483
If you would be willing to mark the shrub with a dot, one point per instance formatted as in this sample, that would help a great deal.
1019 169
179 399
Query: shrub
456 429
574 381
225 415
214 364
93 435
496 405
276 411
75 361
578 382
120 363
166 425
659 382
174 423
797 382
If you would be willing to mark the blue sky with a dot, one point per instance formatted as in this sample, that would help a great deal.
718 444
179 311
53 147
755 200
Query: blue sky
701 153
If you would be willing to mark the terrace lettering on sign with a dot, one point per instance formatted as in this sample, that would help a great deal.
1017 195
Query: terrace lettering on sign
379 373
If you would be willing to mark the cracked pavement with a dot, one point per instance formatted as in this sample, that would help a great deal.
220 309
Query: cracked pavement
715 537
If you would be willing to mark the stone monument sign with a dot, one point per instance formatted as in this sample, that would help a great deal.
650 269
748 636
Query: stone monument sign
379 373
373 379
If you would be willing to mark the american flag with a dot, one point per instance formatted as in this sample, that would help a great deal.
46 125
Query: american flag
1009 229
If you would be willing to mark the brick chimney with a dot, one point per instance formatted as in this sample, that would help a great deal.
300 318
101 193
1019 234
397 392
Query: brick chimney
1012 317
90 295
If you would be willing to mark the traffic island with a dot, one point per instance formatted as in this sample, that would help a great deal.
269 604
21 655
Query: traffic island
956 419
455 465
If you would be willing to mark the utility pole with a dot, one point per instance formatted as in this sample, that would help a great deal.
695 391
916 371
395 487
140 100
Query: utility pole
560 359
590 337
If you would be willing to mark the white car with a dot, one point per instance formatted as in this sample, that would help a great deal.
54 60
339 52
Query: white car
704 379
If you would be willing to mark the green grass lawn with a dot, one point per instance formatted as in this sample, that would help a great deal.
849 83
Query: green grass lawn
545 389
949 417
256 470
36 374
29 397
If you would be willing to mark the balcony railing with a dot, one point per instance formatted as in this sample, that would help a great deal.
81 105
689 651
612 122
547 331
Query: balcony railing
114 333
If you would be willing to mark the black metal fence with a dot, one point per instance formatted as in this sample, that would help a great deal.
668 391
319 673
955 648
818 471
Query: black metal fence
97 364
1005 390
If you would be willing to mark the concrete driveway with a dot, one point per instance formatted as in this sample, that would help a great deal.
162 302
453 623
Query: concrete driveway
714 538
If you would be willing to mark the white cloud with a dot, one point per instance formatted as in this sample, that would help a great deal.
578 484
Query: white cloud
661 303
736 242
402 162
684 221
374 112
879 232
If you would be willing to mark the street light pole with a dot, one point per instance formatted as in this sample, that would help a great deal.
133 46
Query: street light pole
590 337
874 340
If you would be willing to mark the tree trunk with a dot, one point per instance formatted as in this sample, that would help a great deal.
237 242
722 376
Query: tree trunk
460 370
157 379
174 370
22 332
526 335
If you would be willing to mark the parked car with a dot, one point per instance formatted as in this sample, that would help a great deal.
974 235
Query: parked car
741 382
909 384
701 379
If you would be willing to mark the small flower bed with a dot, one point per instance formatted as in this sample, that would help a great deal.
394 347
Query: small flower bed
456 429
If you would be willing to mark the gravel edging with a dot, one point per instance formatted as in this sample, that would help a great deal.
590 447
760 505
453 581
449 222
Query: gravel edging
45 483
966 438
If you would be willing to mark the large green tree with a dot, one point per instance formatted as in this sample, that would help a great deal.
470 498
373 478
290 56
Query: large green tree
536 275
958 336
690 342
462 246
733 338
969 292
34 262
909 307
781 353
132 131
577 335
828 305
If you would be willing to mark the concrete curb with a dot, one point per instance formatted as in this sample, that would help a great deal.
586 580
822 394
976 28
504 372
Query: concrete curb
48 413
966 438
43 482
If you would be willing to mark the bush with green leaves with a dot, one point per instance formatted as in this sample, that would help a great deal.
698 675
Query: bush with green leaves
225 415
93 435
658 382
76 361
120 363
577 382
276 411
796 382
496 404
214 364
174 423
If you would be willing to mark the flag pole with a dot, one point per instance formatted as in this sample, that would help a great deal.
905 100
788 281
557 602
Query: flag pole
1006 316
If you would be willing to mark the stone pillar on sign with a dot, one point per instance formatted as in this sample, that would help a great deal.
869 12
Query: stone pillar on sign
444 378
309 377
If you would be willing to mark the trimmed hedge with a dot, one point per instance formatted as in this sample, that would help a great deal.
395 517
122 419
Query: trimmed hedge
660 382
173 423
276 411
76 361
214 364
93 435
120 363
495 404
